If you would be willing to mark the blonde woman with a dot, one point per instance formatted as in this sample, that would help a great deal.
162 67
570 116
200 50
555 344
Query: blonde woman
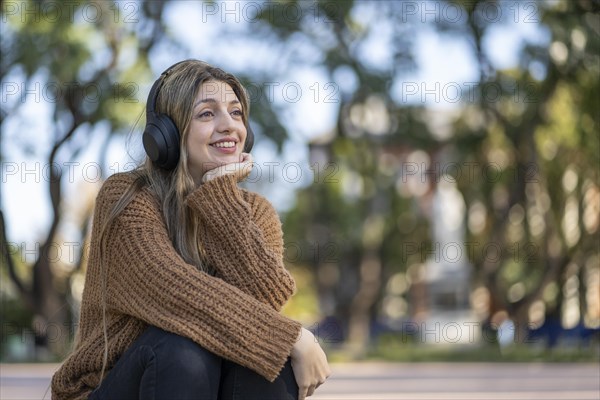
185 277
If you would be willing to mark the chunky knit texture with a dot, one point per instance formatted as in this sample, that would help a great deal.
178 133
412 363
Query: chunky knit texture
234 314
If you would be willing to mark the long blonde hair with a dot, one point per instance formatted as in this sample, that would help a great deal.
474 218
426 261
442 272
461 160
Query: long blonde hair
170 187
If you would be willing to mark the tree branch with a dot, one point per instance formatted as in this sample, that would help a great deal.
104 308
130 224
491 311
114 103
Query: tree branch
23 291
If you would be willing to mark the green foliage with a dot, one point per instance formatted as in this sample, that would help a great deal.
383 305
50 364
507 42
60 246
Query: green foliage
522 144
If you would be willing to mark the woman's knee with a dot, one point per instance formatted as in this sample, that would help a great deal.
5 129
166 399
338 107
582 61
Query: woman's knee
180 356
241 383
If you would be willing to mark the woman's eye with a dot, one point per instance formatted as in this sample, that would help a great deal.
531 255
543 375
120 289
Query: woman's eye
205 114
238 113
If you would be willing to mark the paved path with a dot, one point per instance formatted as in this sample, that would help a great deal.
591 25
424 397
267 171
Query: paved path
381 381
460 381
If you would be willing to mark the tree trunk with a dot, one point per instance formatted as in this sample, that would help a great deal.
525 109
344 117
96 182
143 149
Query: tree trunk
363 302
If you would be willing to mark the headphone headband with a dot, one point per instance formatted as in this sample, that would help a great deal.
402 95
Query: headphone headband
153 95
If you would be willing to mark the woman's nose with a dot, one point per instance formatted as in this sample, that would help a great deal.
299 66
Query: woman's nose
225 123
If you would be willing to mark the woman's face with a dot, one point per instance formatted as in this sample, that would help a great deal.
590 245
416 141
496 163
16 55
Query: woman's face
217 132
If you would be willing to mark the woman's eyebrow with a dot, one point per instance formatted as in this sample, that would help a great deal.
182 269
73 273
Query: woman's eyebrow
214 101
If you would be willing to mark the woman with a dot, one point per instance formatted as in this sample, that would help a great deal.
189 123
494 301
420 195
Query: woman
185 276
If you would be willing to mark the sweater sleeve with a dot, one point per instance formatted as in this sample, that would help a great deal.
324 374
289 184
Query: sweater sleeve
148 280
242 239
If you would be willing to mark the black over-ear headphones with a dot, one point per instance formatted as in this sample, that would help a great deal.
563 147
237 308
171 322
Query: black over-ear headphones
161 136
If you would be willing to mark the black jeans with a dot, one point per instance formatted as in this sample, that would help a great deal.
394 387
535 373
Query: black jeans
163 365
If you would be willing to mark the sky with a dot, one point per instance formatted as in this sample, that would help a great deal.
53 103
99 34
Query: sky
303 91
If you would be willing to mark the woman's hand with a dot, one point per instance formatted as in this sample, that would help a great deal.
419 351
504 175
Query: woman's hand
309 364
241 169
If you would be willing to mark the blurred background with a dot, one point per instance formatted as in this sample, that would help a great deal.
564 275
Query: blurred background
434 163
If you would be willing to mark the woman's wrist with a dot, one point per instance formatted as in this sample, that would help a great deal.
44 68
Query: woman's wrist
304 338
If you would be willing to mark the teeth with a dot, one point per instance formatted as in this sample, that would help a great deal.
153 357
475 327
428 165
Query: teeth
224 144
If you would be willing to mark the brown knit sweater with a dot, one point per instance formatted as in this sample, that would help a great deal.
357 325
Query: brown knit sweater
234 314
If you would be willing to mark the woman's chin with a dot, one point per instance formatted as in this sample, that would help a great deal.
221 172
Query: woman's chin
229 159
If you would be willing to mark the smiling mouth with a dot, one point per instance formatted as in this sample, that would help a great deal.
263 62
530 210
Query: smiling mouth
224 144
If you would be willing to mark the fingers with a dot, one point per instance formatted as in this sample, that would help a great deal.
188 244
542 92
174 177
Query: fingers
309 363
245 170
245 157
305 392
310 390
241 170
302 393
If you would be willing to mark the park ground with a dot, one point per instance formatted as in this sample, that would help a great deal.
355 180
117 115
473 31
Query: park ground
395 381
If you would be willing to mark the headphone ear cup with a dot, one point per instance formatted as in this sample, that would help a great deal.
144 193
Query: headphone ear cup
249 140
161 141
